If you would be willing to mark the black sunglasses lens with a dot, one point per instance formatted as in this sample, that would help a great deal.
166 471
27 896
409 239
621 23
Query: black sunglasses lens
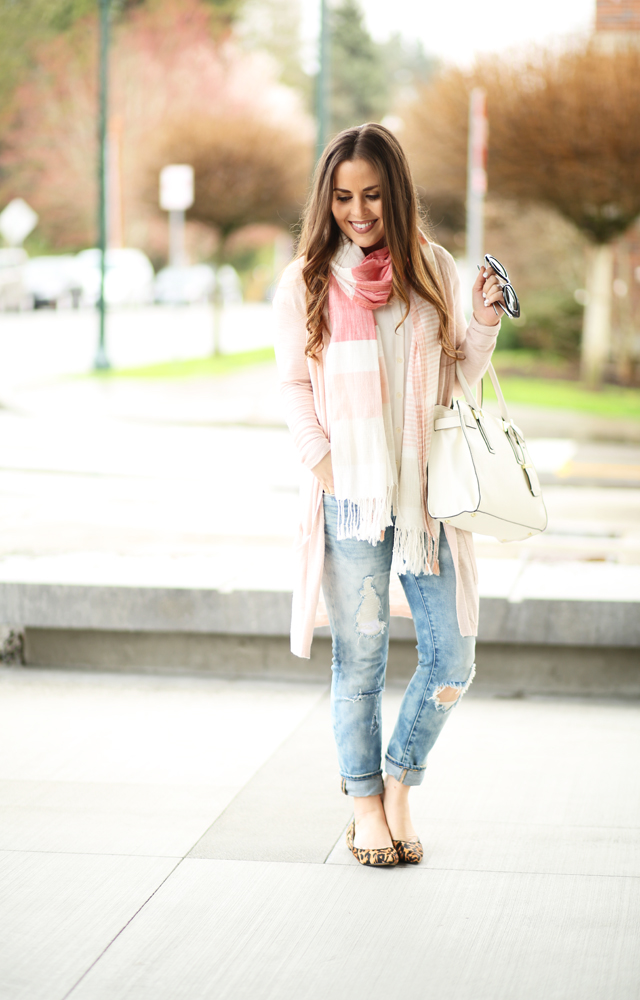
511 301
497 266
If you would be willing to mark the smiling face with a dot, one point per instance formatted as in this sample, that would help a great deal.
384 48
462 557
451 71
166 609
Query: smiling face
357 205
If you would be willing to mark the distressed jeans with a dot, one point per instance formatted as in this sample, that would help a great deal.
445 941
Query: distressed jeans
356 592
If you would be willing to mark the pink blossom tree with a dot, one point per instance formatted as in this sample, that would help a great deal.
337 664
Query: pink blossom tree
167 67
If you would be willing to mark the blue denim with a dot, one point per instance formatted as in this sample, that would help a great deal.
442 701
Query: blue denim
356 592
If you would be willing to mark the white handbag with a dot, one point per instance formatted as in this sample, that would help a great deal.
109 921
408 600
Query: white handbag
480 475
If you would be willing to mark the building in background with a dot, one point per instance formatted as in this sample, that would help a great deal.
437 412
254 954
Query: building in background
616 19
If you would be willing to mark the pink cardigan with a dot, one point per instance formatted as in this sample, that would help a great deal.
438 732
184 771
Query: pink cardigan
303 391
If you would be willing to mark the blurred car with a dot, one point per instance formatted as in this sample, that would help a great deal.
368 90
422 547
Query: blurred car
13 292
53 281
185 285
128 277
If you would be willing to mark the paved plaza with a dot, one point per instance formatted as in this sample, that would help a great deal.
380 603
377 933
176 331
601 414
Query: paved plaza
170 838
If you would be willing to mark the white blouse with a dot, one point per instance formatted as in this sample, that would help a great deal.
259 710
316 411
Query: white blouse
395 348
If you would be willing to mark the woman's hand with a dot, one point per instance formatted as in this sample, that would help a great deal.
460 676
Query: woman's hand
324 472
485 291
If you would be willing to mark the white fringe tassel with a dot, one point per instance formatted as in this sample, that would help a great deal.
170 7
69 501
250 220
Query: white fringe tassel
365 519
413 550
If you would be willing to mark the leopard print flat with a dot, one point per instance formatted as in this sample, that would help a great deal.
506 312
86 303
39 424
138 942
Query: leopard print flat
410 852
377 857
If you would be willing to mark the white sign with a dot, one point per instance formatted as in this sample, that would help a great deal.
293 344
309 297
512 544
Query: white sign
176 187
16 222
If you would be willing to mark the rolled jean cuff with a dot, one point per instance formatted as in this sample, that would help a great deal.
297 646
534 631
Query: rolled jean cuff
368 784
405 775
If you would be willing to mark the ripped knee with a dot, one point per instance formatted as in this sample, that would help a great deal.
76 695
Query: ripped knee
369 620
446 696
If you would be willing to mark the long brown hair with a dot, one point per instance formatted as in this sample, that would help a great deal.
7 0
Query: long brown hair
321 234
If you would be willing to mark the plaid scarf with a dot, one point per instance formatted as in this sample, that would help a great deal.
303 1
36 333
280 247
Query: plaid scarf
366 484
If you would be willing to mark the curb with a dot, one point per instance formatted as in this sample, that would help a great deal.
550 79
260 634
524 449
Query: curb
267 613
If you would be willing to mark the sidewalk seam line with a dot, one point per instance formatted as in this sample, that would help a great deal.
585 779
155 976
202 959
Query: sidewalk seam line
123 928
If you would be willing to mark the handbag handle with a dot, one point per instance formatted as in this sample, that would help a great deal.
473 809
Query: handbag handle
468 395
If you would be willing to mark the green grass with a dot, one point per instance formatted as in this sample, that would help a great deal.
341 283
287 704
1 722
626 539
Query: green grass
536 364
559 394
221 364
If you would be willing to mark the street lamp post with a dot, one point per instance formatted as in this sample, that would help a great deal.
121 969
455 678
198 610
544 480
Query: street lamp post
101 361
476 175
322 87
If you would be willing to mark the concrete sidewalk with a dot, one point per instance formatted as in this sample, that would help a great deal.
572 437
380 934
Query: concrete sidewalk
170 838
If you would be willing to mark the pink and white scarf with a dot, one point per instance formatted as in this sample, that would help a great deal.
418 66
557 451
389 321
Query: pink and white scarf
366 483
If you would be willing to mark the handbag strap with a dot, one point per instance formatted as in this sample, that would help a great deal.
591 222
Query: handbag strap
468 395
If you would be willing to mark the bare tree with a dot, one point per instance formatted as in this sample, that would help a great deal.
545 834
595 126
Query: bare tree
247 171
563 132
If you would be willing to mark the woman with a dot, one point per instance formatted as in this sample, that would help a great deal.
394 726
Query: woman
369 326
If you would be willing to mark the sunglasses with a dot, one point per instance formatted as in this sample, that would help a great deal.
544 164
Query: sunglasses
511 303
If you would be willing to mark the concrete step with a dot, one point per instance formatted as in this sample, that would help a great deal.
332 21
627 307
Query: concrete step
536 606
532 640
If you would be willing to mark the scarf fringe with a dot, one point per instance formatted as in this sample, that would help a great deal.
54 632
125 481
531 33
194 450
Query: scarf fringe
415 552
365 520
